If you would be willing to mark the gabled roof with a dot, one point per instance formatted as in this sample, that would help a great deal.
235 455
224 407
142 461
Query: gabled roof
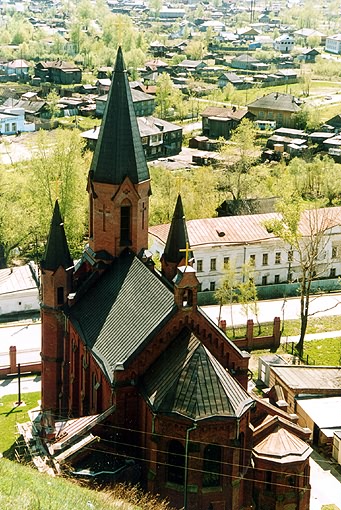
177 236
277 101
119 152
117 315
234 230
187 380
57 251
224 113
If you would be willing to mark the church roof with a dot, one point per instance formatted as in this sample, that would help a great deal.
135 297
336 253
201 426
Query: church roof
188 380
118 314
119 152
57 251
177 235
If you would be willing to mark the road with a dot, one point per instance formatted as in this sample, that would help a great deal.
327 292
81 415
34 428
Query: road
321 305
27 385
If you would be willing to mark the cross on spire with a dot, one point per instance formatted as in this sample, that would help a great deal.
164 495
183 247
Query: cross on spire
186 250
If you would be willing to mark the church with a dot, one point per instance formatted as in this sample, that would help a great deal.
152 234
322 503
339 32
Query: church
127 347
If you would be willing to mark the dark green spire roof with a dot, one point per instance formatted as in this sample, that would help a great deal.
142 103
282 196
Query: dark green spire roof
177 235
57 251
119 152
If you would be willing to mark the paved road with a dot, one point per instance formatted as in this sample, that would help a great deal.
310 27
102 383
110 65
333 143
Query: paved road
27 385
26 337
325 483
321 305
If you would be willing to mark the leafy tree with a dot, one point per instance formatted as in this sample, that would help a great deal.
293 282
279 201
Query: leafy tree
237 159
247 293
304 233
167 96
227 292
52 107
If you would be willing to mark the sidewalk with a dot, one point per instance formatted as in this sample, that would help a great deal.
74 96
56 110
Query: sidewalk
311 336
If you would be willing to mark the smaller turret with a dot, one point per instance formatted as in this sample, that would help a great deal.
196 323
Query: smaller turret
56 279
177 244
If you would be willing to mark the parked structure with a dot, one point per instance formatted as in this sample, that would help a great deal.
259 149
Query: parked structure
12 121
59 72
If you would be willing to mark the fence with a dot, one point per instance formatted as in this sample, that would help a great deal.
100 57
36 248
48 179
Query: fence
28 359
252 342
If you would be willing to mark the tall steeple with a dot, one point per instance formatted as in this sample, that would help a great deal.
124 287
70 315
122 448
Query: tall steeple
177 242
119 183
119 152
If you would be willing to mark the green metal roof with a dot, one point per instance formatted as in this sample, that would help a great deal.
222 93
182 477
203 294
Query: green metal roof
119 152
57 251
123 308
188 380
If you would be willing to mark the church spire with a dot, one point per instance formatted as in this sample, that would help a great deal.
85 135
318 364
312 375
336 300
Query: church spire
57 251
119 152
177 242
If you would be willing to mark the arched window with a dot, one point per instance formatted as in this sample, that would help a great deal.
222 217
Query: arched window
212 466
125 225
176 463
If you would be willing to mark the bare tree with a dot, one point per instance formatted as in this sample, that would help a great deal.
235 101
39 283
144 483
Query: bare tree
306 234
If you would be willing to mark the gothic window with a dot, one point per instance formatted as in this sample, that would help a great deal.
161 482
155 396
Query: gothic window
176 462
212 466
60 295
125 227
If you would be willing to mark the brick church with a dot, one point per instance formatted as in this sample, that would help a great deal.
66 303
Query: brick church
127 349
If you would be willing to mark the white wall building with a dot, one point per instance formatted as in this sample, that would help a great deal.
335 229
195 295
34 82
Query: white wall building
19 290
333 44
241 239
13 120
284 43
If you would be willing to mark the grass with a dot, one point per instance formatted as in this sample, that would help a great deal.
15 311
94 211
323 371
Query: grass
10 415
23 488
323 352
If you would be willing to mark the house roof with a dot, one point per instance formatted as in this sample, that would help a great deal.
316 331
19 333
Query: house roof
147 126
224 113
325 412
191 63
302 378
18 64
230 230
245 57
19 278
57 251
119 152
277 101
188 380
117 315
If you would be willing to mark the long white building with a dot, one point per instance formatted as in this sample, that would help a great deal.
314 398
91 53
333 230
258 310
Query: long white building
241 239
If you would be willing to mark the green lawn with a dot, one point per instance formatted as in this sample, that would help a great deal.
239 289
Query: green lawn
11 414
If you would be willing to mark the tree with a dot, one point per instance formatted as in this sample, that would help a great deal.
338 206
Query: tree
237 160
247 292
227 291
304 233
167 96
52 107
59 170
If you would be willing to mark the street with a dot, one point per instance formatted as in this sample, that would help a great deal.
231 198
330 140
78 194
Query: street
286 309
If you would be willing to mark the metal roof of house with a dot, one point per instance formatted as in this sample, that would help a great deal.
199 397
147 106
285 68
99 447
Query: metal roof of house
223 113
230 230
277 101
116 316
16 279
188 380
325 412
307 377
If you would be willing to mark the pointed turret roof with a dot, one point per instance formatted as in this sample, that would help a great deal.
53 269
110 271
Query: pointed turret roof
187 380
57 251
177 235
119 152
